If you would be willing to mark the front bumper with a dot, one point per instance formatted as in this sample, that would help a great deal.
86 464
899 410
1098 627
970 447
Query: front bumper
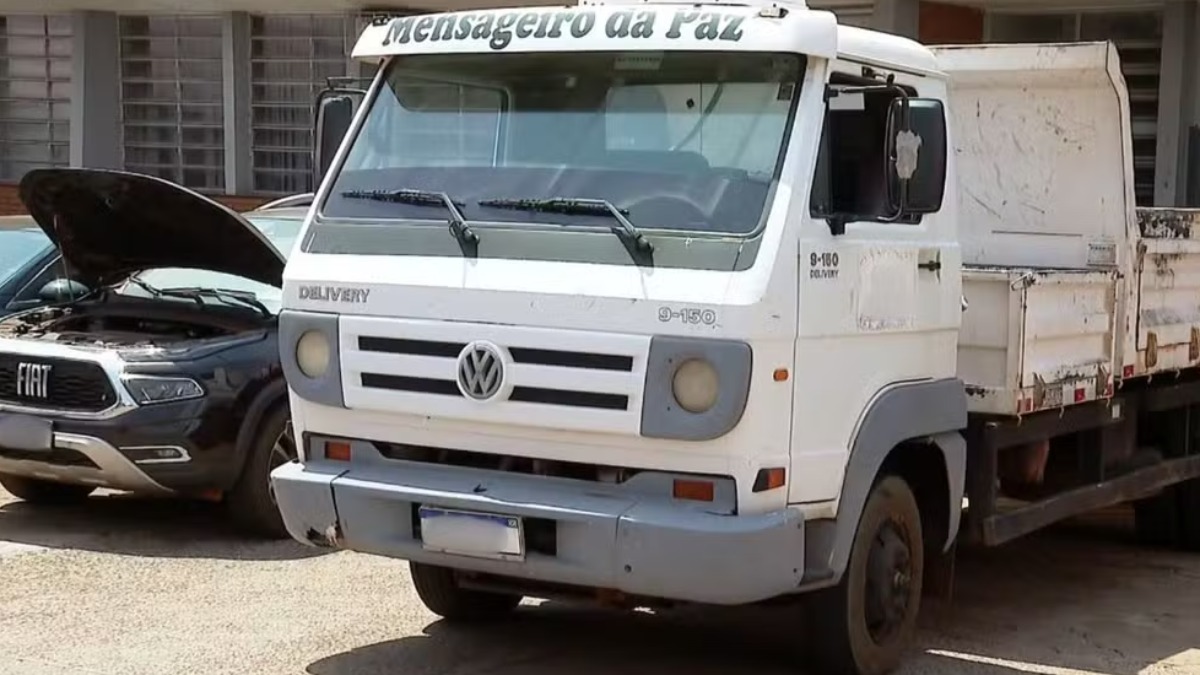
119 452
606 537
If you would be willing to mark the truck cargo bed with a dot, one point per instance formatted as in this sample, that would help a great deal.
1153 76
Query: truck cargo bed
1036 339
1166 336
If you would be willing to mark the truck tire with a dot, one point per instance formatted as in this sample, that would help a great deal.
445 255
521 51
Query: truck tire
37 491
441 593
863 625
251 503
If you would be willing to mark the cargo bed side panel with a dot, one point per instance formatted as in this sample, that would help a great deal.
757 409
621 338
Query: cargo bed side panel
1168 278
1069 339
988 362
1035 340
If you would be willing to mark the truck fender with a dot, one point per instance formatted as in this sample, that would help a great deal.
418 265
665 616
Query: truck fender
271 394
933 410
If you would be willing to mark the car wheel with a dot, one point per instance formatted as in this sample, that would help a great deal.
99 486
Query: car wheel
441 593
864 624
37 491
252 502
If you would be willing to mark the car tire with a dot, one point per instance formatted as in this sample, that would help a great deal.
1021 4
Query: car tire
37 491
251 502
441 593
863 625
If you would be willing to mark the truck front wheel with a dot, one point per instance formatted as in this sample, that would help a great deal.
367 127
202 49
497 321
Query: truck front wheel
865 623
441 593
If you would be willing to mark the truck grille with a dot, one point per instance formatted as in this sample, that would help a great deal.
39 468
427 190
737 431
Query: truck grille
76 386
547 378
556 396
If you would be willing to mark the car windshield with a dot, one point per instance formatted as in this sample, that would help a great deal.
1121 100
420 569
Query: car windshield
281 232
18 248
677 141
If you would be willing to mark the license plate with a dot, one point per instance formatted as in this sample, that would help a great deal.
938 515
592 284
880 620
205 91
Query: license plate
468 533
26 433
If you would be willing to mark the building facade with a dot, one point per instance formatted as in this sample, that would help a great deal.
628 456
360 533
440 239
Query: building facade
222 101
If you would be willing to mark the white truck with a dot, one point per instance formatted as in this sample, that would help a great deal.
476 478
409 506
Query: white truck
725 303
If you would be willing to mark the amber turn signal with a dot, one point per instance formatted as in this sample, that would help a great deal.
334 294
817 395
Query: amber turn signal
694 490
769 479
338 451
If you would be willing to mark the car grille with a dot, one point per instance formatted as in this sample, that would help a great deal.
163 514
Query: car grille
76 386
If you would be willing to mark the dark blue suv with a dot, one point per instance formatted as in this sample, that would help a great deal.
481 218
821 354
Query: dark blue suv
28 261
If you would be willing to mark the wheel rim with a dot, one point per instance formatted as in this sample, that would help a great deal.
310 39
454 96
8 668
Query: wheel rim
889 582
282 452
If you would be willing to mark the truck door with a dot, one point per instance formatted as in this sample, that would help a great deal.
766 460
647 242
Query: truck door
879 299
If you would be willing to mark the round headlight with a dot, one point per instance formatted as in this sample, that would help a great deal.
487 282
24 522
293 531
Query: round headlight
695 386
312 354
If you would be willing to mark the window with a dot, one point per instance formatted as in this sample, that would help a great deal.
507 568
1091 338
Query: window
439 123
35 79
31 293
735 125
291 58
18 248
692 144
851 175
172 99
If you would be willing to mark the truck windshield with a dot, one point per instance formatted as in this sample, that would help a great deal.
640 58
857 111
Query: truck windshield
690 142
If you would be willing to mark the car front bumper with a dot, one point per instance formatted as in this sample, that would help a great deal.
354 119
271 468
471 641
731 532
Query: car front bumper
161 449
605 537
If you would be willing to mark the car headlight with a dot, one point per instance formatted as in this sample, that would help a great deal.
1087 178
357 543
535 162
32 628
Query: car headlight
313 354
695 386
147 389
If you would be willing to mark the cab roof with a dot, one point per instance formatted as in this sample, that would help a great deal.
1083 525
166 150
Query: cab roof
885 50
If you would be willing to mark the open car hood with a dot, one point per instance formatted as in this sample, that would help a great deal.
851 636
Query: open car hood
112 224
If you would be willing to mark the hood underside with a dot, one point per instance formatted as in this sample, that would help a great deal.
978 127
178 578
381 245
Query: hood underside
112 224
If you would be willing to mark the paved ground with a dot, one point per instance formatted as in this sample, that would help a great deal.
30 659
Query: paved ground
144 587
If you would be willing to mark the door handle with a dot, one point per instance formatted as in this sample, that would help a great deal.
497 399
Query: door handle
931 266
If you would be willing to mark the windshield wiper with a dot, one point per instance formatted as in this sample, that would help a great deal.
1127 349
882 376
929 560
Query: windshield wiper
462 232
197 295
223 294
641 247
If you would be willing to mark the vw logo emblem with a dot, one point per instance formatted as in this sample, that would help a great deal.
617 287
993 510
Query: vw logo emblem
480 371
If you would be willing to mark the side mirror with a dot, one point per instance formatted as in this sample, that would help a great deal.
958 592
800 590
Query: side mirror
916 151
62 290
335 112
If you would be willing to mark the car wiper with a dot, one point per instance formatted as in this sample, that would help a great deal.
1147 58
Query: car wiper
223 294
462 231
197 295
625 229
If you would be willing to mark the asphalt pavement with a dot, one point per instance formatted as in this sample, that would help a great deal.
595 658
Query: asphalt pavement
123 586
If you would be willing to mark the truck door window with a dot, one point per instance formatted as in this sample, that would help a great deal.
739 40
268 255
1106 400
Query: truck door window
850 179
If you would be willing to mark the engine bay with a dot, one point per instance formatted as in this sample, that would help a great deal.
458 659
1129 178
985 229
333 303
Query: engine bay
125 323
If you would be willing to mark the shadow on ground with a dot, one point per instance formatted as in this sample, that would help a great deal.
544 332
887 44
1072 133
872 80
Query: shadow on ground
552 641
1083 597
138 526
